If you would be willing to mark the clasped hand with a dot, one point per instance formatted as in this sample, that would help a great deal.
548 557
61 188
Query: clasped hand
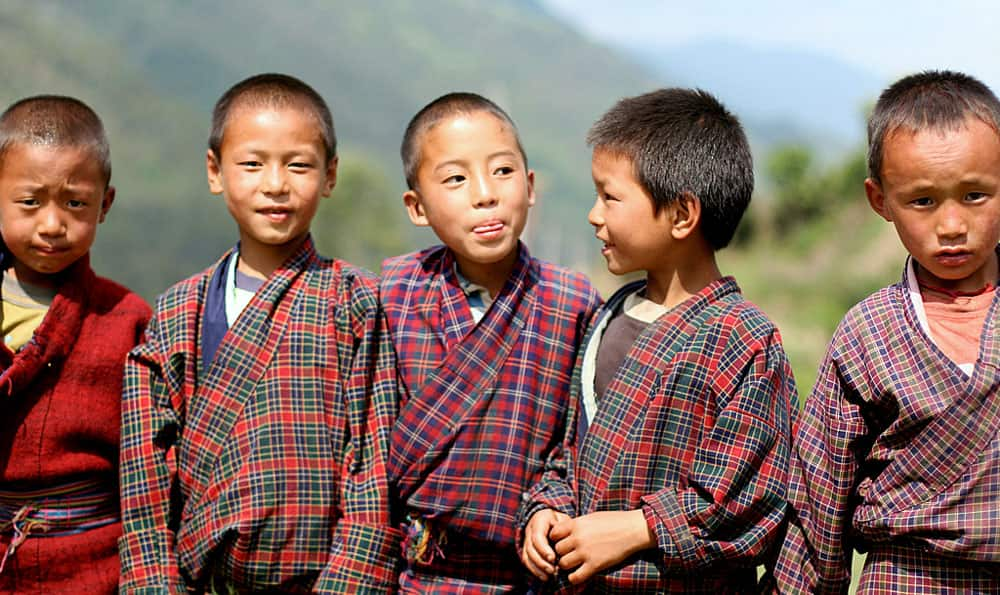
586 545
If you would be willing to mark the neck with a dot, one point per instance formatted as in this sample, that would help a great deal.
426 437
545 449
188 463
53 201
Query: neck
684 277
29 276
260 260
492 275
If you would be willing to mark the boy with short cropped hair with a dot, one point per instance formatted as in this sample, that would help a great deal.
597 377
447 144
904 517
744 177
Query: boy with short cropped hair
485 336
66 332
257 412
673 477
897 449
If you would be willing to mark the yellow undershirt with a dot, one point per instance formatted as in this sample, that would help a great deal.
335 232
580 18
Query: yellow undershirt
24 308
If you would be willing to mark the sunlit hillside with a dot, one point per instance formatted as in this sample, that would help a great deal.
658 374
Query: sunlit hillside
153 71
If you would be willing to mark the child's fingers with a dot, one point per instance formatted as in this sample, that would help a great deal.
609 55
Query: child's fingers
560 516
561 529
572 559
535 562
581 574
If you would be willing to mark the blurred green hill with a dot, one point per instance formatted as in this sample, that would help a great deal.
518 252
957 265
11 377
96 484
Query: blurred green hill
154 70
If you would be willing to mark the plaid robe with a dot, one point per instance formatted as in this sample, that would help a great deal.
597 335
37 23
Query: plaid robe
897 451
694 430
482 404
60 413
264 471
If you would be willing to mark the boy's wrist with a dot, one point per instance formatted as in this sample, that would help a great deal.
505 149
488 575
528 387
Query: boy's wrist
641 535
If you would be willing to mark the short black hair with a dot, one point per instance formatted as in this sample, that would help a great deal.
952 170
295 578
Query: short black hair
272 90
933 99
448 105
56 121
683 141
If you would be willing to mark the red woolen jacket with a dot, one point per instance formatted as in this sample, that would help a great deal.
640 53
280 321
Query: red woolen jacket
60 416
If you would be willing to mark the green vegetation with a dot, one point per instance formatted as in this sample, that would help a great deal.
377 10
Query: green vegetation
807 251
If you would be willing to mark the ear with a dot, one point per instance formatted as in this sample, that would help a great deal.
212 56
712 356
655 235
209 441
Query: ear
685 215
415 208
876 198
331 175
106 202
531 187
214 169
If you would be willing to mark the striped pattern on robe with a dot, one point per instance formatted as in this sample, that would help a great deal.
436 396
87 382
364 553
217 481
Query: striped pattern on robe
897 451
694 430
265 471
482 404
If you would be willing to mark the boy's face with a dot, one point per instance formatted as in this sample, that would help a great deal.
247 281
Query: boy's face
473 189
635 239
272 172
941 190
51 200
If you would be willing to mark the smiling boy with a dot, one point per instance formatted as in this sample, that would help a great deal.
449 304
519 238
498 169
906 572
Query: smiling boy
673 476
897 448
256 413
66 332
485 336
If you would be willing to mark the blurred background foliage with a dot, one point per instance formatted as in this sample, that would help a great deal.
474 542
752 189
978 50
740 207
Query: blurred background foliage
808 249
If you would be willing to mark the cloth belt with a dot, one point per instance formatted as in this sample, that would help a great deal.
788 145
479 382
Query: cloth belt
55 511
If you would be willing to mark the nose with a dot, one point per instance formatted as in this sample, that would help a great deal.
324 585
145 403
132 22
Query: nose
596 214
274 180
50 222
951 222
486 194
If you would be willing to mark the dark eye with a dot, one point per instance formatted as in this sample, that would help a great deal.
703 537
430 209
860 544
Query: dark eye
505 170
923 201
455 179
28 202
250 163
75 204
976 196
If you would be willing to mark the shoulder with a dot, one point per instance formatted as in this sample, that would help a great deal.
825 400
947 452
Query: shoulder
877 306
568 287
413 262
107 296
739 324
185 291
868 325
354 282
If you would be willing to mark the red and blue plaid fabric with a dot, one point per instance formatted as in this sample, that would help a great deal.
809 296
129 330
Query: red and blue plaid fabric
265 471
694 430
482 405
896 450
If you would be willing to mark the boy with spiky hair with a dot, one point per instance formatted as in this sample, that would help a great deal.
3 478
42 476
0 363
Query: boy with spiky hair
257 412
66 332
897 451
486 336
673 477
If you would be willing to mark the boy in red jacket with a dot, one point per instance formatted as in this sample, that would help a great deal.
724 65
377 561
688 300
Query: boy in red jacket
66 332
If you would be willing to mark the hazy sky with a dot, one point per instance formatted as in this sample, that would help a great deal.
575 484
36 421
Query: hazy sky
889 38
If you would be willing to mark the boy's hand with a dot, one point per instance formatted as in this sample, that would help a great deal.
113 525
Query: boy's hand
537 555
599 540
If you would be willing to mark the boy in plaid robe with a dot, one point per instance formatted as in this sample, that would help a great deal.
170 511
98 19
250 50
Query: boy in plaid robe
66 332
257 412
673 475
485 337
897 450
